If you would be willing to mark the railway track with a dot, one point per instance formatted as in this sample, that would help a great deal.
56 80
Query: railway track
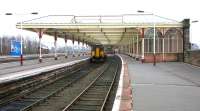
62 93
11 90
25 101
95 95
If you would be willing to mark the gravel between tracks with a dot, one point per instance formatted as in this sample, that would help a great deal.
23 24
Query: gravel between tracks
67 95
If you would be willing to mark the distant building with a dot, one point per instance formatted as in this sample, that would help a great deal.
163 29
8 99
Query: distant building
194 46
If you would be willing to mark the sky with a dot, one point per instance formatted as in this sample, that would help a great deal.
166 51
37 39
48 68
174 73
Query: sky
174 9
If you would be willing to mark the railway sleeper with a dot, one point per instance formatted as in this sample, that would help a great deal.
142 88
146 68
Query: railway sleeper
94 95
85 108
96 103
91 99
97 90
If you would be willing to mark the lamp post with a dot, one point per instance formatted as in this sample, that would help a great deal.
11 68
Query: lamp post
21 38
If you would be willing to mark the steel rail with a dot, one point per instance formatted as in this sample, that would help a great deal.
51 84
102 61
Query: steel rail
110 88
53 93
56 90
74 100
89 86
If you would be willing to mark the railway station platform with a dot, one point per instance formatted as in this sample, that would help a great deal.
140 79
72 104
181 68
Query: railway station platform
9 58
13 70
170 86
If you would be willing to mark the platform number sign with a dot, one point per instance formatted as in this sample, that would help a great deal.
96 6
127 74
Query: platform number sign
15 48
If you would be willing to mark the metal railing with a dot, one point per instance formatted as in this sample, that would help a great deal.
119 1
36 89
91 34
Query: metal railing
117 18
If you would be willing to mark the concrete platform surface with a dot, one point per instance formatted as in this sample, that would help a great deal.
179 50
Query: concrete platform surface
9 58
171 86
6 69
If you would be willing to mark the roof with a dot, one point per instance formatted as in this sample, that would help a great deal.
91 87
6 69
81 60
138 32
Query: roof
104 29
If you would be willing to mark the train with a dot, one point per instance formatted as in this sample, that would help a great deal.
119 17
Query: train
98 54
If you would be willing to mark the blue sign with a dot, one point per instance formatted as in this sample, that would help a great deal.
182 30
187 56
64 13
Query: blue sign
15 48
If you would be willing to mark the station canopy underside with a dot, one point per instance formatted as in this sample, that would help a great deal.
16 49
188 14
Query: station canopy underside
106 30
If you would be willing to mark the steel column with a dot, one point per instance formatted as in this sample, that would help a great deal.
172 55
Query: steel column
55 46
79 52
1 46
21 40
163 46
133 47
154 44
168 45
40 45
177 44
66 54
142 45
83 47
137 51
73 46
129 46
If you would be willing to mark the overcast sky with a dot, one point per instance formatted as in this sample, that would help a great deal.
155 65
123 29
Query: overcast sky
174 9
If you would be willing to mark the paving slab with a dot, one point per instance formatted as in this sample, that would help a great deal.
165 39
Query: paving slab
170 86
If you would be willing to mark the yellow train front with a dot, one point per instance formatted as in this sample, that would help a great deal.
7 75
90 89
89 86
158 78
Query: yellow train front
97 54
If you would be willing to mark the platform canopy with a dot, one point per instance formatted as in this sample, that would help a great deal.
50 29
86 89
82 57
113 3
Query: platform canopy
104 29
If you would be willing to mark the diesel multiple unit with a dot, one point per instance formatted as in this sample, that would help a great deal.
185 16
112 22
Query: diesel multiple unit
97 53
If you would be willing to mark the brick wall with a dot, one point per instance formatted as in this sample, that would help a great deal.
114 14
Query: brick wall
159 57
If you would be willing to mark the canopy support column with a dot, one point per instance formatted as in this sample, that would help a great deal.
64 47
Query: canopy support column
129 47
66 54
40 46
142 36
133 45
83 47
163 46
137 50
55 46
79 52
86 48
73 54
154 44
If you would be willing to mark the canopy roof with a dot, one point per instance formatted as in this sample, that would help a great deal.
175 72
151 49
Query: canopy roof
103 29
